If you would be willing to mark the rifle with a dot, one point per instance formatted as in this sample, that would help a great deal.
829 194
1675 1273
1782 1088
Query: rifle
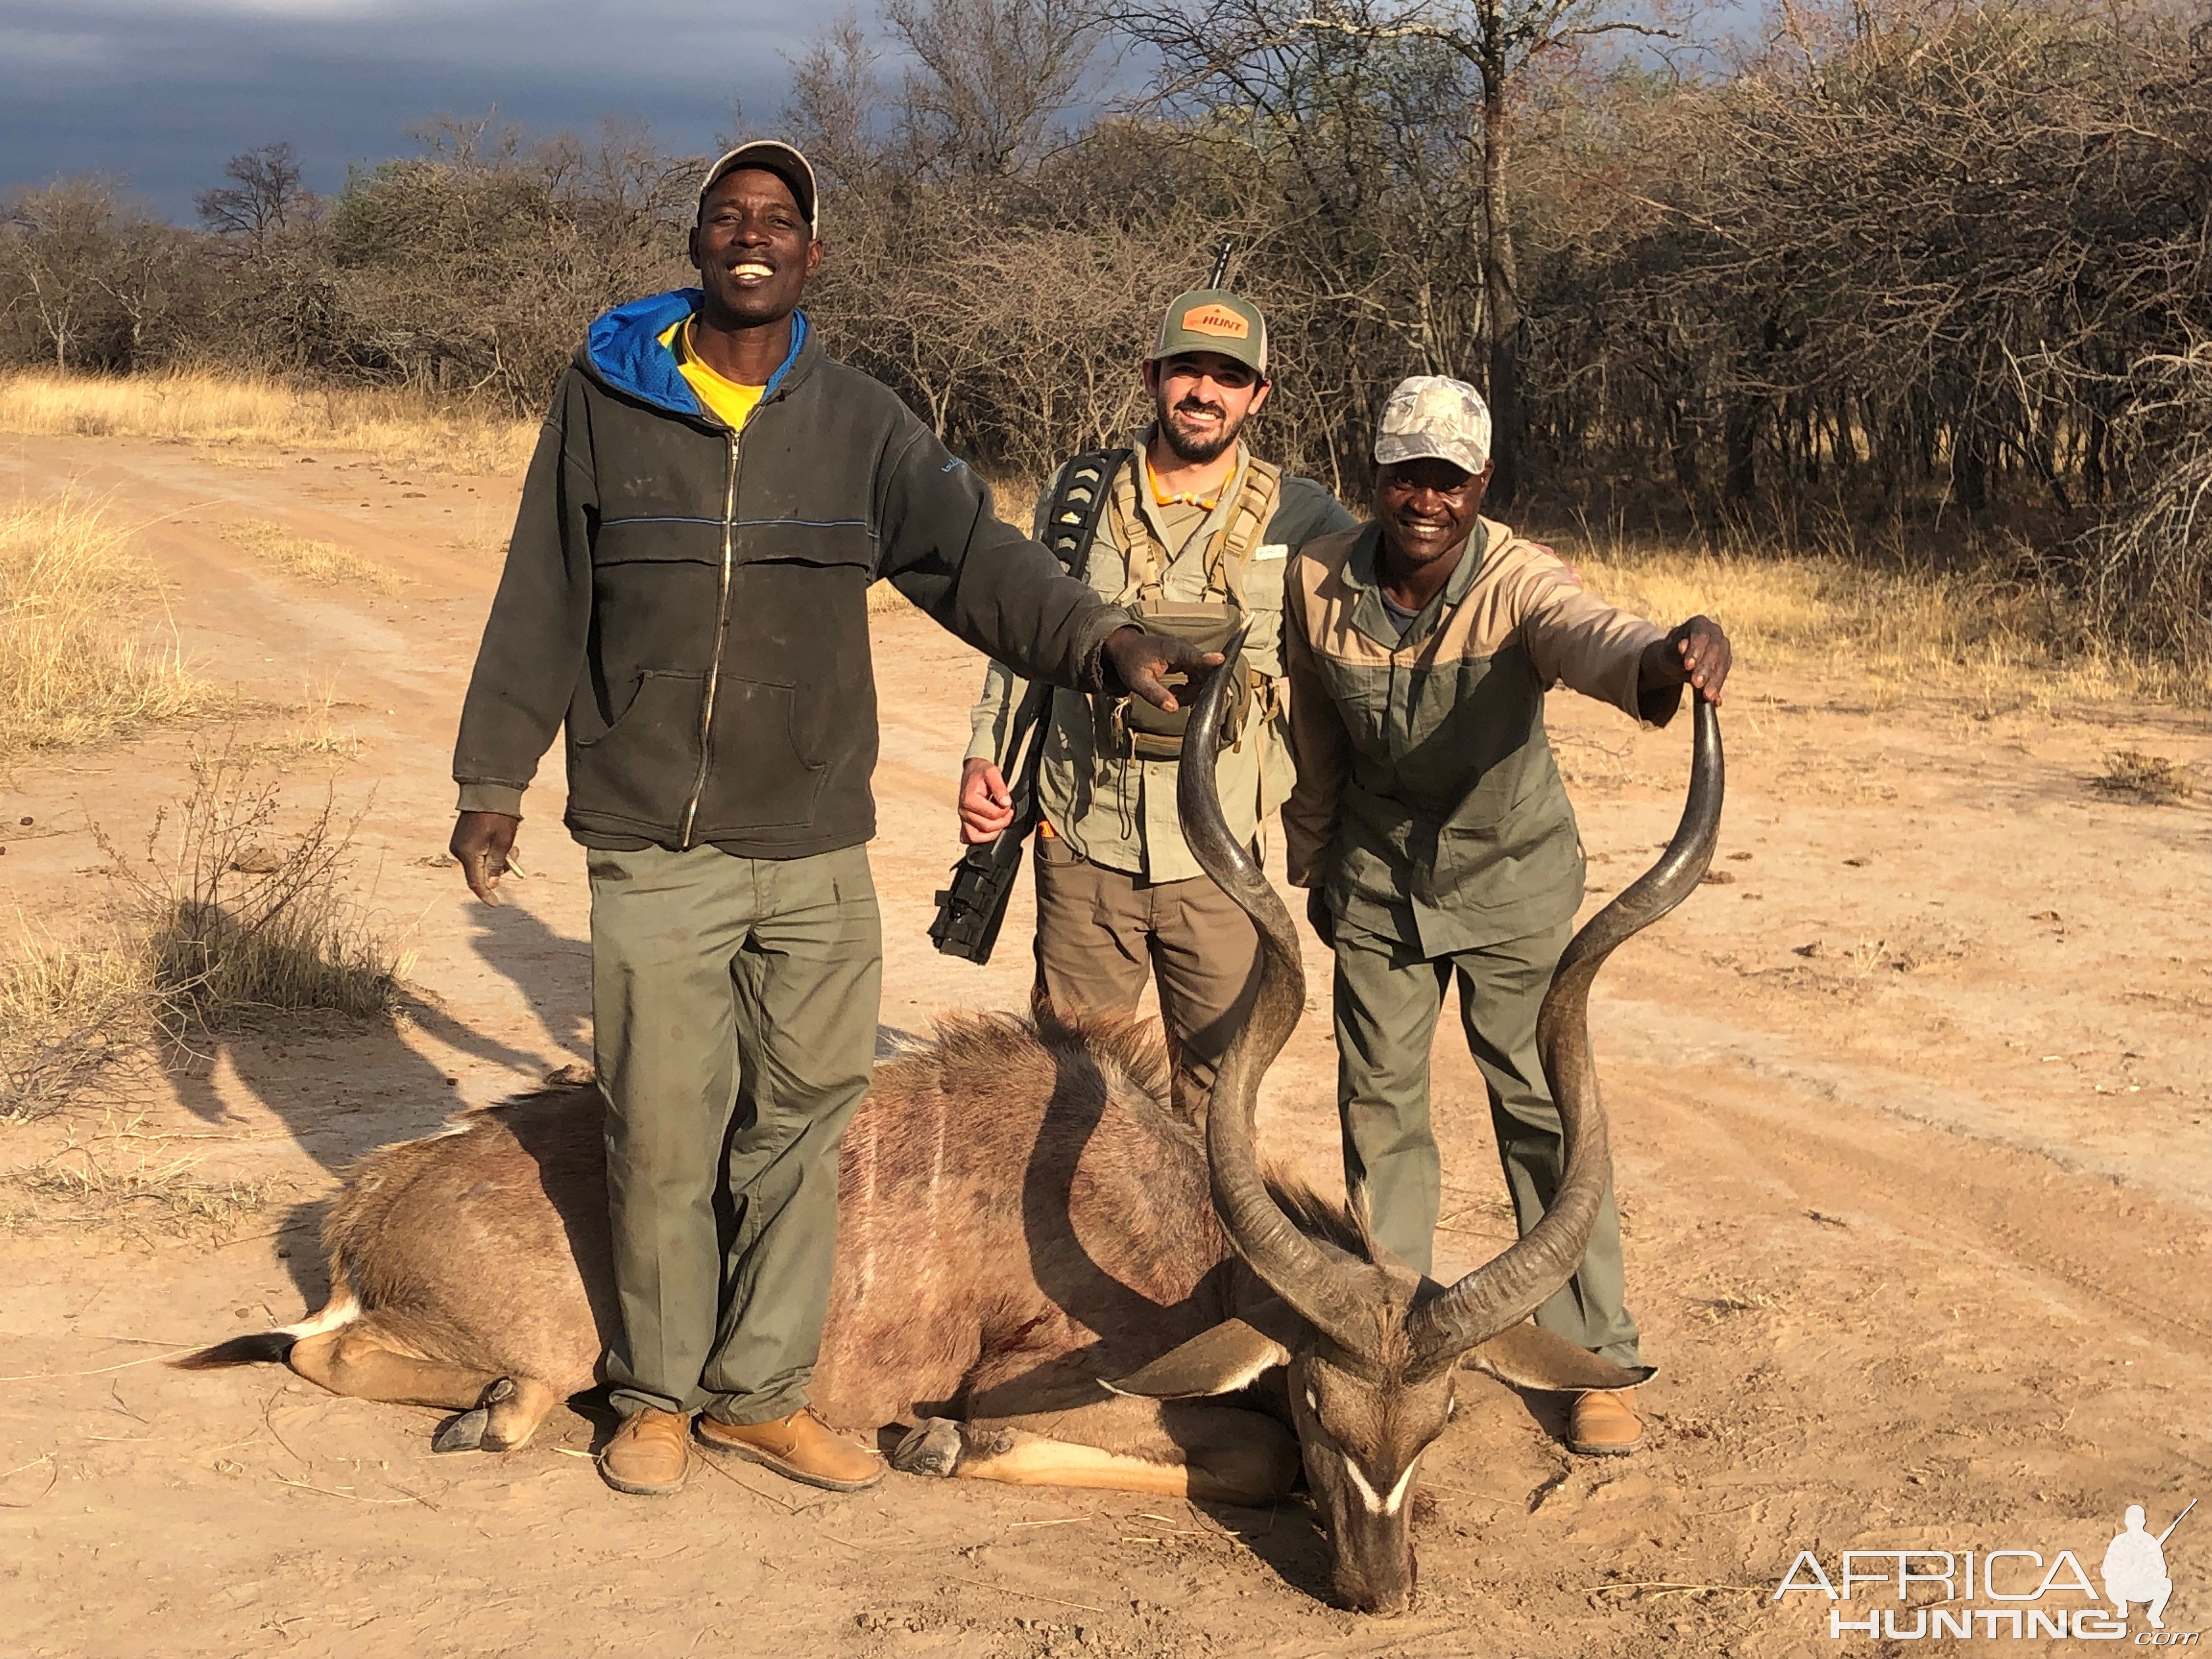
2176 1521
1221 252
970 910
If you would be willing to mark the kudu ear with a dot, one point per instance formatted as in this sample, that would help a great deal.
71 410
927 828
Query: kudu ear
1232 1355
1529 1357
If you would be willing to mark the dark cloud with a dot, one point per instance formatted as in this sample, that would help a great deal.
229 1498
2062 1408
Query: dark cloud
163 91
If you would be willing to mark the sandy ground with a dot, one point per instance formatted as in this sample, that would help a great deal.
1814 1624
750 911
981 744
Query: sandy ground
1909 1115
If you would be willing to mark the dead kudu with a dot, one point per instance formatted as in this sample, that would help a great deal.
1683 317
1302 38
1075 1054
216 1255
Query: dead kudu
1041 1268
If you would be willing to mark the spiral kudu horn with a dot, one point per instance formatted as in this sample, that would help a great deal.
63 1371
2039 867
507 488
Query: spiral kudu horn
1508 1289
1325 1291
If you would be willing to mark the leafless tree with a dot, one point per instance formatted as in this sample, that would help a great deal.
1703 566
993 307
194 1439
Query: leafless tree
990 78
265 195
1257 51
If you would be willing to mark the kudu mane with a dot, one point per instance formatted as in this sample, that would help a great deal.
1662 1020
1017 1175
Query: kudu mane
975 1056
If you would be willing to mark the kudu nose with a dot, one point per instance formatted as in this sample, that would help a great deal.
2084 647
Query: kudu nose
1378 1602
1376 1586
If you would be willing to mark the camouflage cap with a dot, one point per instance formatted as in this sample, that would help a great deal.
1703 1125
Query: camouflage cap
1430 415
1213 319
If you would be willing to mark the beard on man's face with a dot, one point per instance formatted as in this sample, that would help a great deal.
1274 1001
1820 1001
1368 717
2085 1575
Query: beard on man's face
1197 448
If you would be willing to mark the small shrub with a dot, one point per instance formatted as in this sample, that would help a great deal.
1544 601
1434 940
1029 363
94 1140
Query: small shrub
234 917
69 1012
2152 779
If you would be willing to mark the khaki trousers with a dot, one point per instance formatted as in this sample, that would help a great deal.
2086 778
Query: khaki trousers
1388 1000
1102 932
736 1001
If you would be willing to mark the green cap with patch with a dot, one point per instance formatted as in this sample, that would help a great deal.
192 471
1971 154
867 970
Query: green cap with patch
1213 319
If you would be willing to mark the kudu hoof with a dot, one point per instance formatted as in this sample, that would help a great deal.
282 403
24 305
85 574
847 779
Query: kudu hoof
471 1431
462 1433
931 1450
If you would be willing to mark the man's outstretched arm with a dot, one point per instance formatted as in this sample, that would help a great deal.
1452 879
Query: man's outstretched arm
946 550
1577 640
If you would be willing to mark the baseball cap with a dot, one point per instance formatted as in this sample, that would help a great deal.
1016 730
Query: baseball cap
1430 416
1213 319
781 159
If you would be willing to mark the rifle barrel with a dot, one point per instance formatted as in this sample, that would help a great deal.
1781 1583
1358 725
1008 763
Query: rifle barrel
2176 1521
1221 261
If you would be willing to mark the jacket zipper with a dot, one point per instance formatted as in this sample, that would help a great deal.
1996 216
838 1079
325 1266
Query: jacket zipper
715 670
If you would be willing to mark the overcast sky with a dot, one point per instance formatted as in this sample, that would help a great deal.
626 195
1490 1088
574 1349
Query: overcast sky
164 91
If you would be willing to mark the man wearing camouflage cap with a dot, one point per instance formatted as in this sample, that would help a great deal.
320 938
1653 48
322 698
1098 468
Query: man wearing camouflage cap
1194 536
1433 832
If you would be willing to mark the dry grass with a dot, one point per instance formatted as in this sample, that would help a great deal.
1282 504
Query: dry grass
397 426
1975 631
310 560
1731 1298
69 1012
2152 779
76 664
885 600
315 735
123 1173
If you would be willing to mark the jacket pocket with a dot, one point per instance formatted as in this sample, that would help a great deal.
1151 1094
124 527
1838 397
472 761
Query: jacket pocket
1505 858
764 778
640 769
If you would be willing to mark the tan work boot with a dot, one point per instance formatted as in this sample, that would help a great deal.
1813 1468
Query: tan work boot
1604 1423
799 1447
649 1454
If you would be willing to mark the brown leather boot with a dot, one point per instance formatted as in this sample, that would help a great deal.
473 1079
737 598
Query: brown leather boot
649 1454
799 1447
1604 1423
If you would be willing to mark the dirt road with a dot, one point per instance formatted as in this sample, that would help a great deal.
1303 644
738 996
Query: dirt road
1910 1116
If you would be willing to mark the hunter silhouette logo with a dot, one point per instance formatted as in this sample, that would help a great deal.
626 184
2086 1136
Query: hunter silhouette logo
2135 1567
1218 320
2031 1595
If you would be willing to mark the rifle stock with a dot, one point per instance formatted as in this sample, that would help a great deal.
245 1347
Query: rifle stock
971 910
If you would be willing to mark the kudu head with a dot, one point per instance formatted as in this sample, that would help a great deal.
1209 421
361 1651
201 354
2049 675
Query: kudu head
1371 1347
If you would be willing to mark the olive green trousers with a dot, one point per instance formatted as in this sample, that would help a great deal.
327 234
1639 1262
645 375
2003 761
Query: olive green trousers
736 1002
1101 934
1388 997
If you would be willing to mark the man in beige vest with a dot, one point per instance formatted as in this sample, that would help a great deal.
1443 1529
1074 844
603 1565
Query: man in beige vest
1432 829
1196 534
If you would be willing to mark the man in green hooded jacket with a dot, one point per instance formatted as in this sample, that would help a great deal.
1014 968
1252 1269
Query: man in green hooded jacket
686 592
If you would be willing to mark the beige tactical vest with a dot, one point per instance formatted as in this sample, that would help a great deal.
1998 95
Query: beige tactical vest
1129 728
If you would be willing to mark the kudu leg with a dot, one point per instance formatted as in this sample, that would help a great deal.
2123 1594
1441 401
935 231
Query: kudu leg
1171 1449
499 1412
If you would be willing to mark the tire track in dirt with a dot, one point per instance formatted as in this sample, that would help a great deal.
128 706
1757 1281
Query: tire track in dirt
1952 1189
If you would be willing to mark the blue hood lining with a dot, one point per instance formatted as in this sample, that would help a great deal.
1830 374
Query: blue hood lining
625 351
